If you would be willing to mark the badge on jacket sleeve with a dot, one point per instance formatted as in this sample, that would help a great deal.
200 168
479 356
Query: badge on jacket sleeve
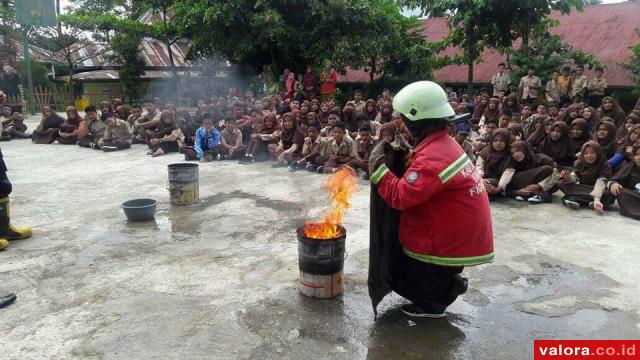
412 177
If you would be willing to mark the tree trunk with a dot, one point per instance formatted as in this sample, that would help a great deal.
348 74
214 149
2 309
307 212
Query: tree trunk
373 69
470 50
525 37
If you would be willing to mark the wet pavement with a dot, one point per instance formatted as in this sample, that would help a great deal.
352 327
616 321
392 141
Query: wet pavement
218 279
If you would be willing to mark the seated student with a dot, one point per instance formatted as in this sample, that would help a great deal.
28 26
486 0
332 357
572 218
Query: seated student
580 134
244 123
375 126
558 145
92 130
625 186
493 159
332 119
484 136
541 130
462 138
148 121
106 110
586 184
15 128
529 121
591 116
527 175
70 128
135 116
206 144
47 130
168 136
5 114
605 135
117 135
401 128
505 118
264 141
553 110
516 131
364 145
339 150
311 149
291 141
624 150
231 146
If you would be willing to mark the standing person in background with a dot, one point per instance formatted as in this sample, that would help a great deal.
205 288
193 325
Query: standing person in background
529 86
564 81
309 83
290 86
579 84
597 88
358 101
553 89
500 81
328 78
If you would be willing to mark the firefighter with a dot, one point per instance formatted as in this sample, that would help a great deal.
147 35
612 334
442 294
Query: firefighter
445 220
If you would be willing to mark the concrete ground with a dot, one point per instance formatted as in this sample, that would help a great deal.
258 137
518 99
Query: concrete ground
218 279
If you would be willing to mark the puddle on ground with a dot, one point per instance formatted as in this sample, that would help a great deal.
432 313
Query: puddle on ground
500 315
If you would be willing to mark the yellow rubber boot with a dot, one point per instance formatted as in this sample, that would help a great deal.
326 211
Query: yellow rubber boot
4 244
8 231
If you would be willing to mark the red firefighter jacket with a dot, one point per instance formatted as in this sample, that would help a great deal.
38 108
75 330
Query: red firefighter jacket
445 217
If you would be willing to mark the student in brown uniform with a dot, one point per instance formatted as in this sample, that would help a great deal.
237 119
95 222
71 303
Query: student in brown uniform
558 145
364 144
15 127
263 142
311 149
586 184
167 137
47 130
493 159
291 142
580 134
231 146
92 130
70 128
611 109
340 149
148 121
117 135
605 135
625 186
527 175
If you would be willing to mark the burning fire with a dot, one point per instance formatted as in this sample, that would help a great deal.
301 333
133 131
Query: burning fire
340 186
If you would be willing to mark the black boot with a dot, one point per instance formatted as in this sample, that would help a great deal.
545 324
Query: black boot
7 300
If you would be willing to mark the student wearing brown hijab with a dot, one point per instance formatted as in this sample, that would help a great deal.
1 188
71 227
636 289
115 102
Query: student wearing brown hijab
605 135
580 134
493 159
527 176
625 186
558 145
585 185
611 109
291 141
48 128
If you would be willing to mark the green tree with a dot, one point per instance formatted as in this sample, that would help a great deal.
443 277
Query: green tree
293 33
634 63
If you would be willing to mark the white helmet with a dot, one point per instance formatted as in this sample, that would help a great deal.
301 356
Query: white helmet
423 100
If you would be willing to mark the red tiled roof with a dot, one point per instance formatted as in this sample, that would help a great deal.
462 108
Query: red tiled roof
605 31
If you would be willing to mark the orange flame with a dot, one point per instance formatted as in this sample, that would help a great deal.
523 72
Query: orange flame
340 186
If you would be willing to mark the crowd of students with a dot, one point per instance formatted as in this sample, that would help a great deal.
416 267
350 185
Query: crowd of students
524 148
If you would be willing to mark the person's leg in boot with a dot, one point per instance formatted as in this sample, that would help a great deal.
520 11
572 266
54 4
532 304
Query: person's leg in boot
7 300
430 288
8 231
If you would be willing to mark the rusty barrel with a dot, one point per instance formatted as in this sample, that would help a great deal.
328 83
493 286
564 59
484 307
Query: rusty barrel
321 263
183 184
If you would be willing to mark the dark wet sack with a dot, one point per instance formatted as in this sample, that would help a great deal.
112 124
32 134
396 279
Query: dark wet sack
383 229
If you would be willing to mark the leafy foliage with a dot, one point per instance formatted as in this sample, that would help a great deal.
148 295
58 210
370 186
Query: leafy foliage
293 33
634 63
